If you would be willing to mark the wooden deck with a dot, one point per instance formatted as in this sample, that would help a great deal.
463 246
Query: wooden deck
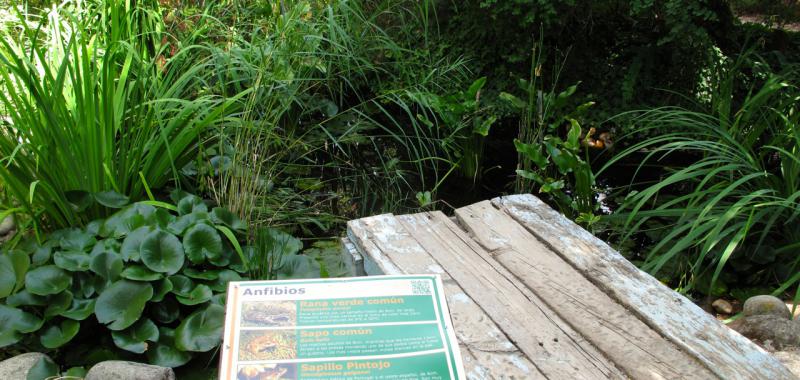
534 296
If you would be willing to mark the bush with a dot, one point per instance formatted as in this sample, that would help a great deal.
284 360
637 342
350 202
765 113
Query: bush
97 110
149 279
727 213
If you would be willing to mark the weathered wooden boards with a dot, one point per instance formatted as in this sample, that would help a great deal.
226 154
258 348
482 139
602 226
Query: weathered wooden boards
486 351
532 295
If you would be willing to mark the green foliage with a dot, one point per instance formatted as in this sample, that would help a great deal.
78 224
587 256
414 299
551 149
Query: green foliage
728 215
623 52
97 112
144 280
558 166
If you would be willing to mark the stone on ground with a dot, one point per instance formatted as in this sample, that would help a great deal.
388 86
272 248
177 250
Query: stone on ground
773 332
122 370
722 306
17 367
766 305
790 358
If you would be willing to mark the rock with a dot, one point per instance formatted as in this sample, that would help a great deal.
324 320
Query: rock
7 225
766 305
722 306
17 367
122 370
773 332
790 359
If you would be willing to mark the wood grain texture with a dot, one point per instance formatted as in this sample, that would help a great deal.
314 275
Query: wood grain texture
632 345
486 352
725 352
557 350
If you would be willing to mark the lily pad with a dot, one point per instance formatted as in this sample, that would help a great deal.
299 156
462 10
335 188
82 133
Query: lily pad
77 240
224 216
46 280
135 338
107 265
58 303
132 245
198 295
73 261
140 273
111 199
122 303
80 309
162 252
56 336
200 242
164 352
13 319
202 330
13 267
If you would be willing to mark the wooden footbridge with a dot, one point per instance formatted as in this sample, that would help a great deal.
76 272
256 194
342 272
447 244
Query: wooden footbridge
534 296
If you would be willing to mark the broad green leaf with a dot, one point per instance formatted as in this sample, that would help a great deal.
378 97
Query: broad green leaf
166 311
111 199
162 252
297 266
135 338
122 303
80 309
56 336
94 226
47 280
107 265
41 255
9 337
126 220
190 204
574 135
58 303
79 200
181 285
224 276
132 245
13 267
220 215
179 225
43 369
160 289
198 295
107 245
532 152
13 319
25 298
73 261
210 274
140 273
77 240
164 352
200 242
202 330
76 372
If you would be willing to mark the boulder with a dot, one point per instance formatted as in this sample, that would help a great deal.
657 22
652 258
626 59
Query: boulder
766 305
122 370
17 367
773 332
790 358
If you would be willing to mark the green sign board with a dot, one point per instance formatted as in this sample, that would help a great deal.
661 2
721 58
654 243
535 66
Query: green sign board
362 328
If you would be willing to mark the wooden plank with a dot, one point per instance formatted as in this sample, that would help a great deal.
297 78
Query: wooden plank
486 352
551 344
632 345
728 354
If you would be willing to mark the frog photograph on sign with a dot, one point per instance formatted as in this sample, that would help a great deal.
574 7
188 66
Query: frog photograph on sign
351 328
